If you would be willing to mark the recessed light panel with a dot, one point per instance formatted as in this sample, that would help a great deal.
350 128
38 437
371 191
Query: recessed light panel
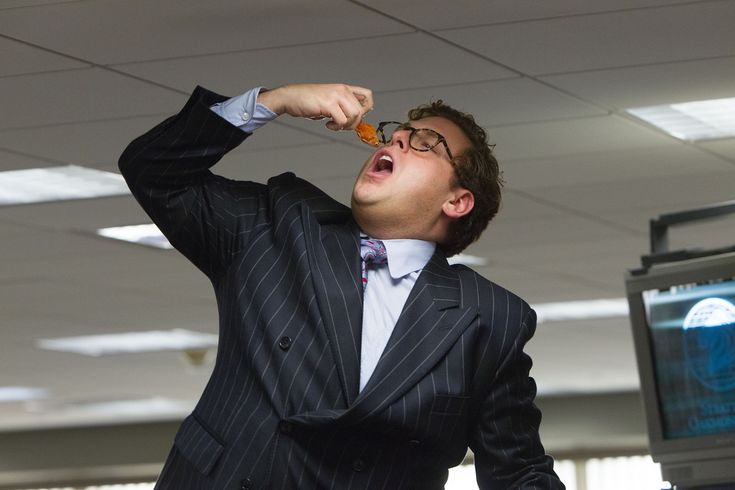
147 234
467 260
144 407
58 184
21 393
581 310
131 342
692 121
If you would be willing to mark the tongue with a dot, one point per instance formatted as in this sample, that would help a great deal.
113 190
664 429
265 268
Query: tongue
384 167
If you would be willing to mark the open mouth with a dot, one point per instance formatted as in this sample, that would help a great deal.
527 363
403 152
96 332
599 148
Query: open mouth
383 165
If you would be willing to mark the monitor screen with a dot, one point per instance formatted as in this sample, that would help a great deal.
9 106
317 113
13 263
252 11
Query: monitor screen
692 339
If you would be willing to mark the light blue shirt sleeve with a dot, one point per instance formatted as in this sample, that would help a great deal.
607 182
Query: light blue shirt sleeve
244 111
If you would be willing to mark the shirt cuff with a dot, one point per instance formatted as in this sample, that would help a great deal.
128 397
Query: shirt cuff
244 111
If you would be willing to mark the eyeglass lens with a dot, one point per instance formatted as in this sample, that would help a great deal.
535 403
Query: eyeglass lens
420 139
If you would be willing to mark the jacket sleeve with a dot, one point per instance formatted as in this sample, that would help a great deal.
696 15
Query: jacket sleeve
206 217
506 443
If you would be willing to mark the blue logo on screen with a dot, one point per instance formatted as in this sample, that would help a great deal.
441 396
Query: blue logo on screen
709 343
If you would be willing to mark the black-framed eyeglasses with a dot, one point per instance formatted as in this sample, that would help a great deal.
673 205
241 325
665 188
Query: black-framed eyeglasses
420 139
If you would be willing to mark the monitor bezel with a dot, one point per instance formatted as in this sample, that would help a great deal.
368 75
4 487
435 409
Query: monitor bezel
661 276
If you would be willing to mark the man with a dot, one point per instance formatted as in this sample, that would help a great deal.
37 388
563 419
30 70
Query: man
335 372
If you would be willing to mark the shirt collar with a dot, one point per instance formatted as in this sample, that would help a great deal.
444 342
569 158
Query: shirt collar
406 255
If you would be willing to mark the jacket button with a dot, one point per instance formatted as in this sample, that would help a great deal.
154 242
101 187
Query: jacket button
284 343
358 465
285 427
246 484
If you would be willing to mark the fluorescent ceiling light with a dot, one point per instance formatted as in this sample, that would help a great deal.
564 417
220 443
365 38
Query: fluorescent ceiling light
21 393
692 121
132 407
58 184
148 234
581 310
147 407
467 260
131 342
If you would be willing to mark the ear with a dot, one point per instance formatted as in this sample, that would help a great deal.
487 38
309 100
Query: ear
461 203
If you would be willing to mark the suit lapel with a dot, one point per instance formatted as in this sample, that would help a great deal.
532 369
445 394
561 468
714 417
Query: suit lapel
334 258
429 325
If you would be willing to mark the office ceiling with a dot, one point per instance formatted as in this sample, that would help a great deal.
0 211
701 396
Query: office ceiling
550 79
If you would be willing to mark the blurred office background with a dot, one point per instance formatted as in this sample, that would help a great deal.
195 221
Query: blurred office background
557 83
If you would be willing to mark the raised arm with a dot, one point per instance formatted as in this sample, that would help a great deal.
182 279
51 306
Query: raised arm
343 105
167 170
207 217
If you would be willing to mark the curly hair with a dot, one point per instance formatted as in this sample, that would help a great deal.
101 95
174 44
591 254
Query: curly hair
476 170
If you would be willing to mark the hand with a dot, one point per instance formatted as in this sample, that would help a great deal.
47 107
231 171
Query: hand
344 105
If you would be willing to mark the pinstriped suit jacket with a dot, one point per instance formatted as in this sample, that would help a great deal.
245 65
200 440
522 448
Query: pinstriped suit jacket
282 408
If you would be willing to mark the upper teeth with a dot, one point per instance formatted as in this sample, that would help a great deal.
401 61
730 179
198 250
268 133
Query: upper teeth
386 157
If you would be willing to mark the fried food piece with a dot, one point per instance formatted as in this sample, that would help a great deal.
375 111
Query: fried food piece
367 133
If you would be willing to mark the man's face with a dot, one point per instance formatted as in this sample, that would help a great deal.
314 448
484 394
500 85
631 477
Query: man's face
399 185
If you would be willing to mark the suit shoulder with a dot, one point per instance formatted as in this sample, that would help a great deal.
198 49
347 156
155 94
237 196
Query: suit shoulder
286 189
486 293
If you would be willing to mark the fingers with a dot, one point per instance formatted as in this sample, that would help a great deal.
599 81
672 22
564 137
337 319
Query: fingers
365 97
344 105
350 105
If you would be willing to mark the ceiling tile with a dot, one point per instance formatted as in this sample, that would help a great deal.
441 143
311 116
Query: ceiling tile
580 266
79 215
622 88
676 192
612 166
471 12
384 63
19 58
575 136
14 4
682 32
724 147
65 299
574 257
602 273
9 160
539 286
79 95
97 143
561 366
543 248
100 143
171 28
518 206
496 103
549 231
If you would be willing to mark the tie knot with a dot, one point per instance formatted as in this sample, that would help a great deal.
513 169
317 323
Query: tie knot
373 251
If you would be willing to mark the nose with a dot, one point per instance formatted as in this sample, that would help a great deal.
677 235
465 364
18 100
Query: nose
400 137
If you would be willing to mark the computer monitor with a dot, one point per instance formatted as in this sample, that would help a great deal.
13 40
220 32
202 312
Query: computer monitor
683 319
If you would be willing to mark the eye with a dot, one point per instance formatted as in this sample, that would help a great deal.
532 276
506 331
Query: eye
423 140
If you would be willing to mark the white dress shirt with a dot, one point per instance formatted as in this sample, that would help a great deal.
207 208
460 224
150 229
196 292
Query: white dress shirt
385 294
387 287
